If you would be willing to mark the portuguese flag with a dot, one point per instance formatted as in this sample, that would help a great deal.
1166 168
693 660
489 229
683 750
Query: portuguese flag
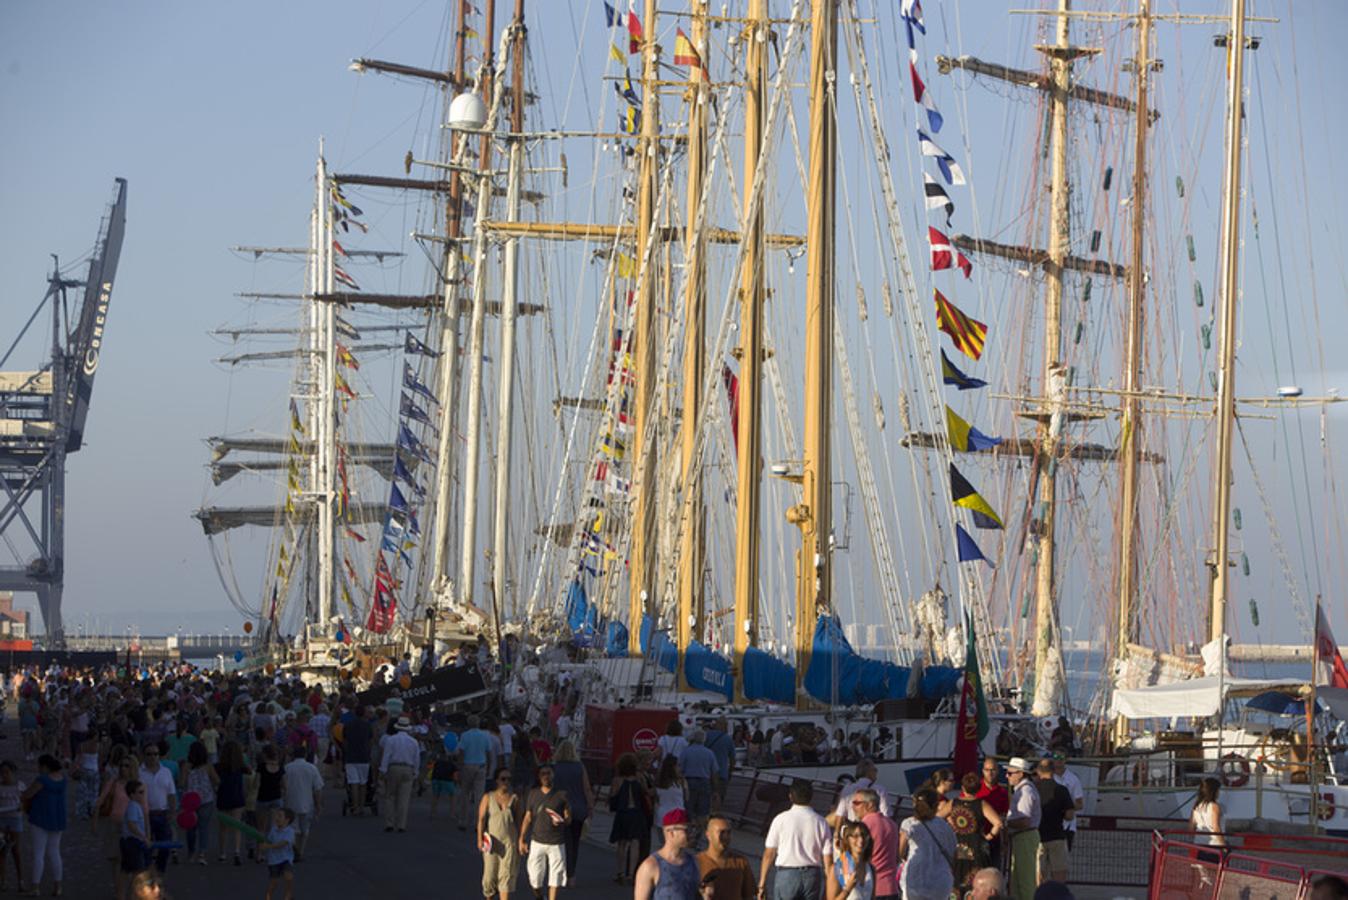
972 725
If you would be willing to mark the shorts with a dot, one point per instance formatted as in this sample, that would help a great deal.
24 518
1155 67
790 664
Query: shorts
135 856
444 788
278 870
357 773
11 821
304 822
1052 857
546 865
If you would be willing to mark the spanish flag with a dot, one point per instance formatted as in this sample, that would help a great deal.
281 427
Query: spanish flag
962 493
685 54
968 334
963 437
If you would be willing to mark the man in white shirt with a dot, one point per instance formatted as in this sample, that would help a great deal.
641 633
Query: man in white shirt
507 731
1068 779
303 792
399 764
865 778
1022 821
161 796
799 845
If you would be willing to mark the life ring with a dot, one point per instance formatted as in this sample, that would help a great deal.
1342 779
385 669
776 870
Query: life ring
1235 770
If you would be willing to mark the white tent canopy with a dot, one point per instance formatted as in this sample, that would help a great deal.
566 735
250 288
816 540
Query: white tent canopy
1195 698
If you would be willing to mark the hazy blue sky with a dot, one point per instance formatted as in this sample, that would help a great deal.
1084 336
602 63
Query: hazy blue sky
213 113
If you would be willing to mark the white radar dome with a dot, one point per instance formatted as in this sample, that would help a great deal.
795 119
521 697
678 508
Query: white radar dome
467 112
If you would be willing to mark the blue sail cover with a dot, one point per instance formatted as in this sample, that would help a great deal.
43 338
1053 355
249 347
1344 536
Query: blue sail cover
940 681
768 678
837 675
615 644
708 671
666 654
582 616
577 605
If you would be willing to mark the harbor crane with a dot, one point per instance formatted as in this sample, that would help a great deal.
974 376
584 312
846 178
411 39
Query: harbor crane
42 419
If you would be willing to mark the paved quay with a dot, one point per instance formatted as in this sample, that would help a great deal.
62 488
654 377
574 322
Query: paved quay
348 858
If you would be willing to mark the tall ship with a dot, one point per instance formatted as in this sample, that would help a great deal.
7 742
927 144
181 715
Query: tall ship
722 390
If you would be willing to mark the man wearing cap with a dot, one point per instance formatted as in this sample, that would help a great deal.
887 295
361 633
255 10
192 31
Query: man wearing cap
671 870
799 844
995 794
1068 779
398 766
1022 823
547 813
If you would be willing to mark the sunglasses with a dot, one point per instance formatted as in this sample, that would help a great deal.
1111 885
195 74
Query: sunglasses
858 802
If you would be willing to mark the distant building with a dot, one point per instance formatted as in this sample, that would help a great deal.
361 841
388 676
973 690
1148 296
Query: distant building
13 623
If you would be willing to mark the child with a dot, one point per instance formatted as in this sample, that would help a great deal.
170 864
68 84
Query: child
444 780
279 850
135 837
11 820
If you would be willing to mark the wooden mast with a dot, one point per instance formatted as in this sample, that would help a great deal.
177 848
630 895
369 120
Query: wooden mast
1226 376
1130 429
644 341
749 427
814 514
692 604
509 313
449 336
1046 651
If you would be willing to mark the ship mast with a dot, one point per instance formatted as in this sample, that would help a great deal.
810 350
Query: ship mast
509 313
1047 652
749 427
644 341
813 515
1226 376
692 606
476 324
1130 430
325 448
449 341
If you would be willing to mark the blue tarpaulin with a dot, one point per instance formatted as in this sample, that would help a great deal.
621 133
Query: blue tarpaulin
708 671
940 681
837 674
616 643
768 678
666 654
577 605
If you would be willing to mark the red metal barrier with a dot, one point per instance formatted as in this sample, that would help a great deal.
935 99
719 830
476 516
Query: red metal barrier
1267 866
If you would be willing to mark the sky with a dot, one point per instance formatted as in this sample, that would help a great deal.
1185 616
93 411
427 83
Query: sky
214 114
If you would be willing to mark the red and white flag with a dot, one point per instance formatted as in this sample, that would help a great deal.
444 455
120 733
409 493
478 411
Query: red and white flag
1329 667
944 256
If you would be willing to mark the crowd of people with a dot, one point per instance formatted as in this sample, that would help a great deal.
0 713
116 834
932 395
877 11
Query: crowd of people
178 765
